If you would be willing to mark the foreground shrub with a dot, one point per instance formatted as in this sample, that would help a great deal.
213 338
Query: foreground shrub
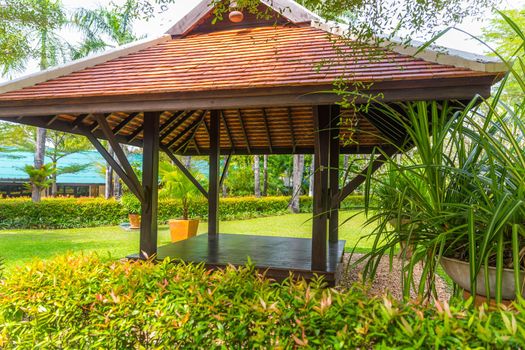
54 213
80 303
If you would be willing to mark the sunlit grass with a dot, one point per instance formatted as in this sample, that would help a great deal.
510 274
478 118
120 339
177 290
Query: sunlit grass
19 246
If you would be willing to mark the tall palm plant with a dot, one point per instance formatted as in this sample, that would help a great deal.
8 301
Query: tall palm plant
106 27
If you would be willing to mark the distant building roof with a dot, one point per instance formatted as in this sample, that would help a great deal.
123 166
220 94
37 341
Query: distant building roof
12 167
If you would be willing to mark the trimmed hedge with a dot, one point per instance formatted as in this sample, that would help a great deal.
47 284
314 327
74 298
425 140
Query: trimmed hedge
56 213
59 213
81 303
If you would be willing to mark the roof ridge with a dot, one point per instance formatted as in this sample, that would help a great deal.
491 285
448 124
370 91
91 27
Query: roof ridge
436 54
289 9
80 64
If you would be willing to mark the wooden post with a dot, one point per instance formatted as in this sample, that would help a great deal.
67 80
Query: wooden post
333 227
213 190
320 201
150 184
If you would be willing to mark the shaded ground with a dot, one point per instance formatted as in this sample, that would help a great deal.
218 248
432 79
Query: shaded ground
388 278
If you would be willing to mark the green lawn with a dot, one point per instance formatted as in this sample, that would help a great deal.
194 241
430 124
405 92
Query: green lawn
19 246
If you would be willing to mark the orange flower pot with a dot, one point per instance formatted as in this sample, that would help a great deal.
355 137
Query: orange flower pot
183 229
134 221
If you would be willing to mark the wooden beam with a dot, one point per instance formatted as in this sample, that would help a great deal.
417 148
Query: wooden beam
150 184
125 122
225 170
168 122
135 133
333 224
177 124
197 147
115 165
349 149
213 190
185 171
228 132
321 190
69 128
78 122
117 148
393 91
360 178
187 142
54 119
267 128
184 132
244 133
94 127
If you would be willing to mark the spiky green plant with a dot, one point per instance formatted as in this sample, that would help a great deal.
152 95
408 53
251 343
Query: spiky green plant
464 186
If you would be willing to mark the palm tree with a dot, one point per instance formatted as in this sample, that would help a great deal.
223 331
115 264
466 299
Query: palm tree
106 27
103 28
39 22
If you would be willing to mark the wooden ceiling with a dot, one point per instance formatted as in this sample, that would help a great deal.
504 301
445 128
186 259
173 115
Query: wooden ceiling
286 130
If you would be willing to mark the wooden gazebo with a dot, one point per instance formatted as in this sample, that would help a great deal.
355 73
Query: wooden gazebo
260 86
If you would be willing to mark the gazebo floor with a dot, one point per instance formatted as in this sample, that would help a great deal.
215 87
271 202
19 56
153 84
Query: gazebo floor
277 256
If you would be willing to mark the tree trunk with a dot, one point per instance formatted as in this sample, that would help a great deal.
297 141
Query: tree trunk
265 176
117 186
54 186
346 164
312 172
109 178
187 162
257 175
297 181
40 152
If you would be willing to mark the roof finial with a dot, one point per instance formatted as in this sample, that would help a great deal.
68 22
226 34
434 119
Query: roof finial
235 16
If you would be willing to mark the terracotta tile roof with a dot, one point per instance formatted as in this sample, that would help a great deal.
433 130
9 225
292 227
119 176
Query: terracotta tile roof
239 59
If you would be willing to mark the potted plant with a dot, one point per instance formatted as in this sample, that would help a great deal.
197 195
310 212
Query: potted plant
464 185
134 208
393 207
175 185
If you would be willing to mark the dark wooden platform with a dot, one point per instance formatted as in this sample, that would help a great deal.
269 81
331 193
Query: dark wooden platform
278 256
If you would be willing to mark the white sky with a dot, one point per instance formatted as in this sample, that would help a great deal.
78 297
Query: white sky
161 23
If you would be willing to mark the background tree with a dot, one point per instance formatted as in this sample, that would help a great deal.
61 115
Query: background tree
257 176
107 26
103 28
297 182
62 145
367 18
265 176
506 41
39 178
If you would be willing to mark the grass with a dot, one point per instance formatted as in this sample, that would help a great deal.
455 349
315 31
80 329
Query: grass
19 246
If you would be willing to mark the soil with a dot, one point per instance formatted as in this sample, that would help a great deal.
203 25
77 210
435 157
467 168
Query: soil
388 279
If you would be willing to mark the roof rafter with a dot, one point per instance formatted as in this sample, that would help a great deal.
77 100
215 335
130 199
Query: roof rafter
175 126
245 134
228 132
125 122
267 127
186 130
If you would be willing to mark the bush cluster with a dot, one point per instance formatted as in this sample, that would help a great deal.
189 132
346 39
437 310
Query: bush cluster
81 303
56 213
